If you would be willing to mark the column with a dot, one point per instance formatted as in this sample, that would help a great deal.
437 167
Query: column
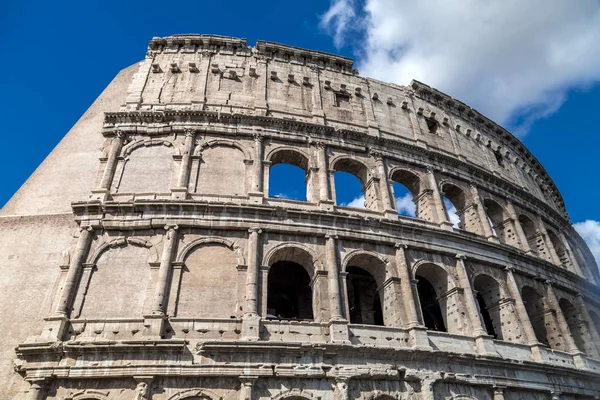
184 170
499 392
161 296
324 196
333 275
247 384
483 219
485 344
570 345
530 337
70 287
37 390
589 322
257 178
549 245
384 187
251 319
111 162
438 203
524 243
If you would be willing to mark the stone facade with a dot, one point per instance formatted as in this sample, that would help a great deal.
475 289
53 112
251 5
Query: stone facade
144 259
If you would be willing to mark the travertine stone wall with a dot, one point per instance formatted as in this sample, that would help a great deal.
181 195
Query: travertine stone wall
157 277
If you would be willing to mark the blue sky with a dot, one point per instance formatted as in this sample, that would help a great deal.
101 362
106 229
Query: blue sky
536 72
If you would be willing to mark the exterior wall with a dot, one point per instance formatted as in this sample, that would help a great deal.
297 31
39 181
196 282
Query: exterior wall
157 285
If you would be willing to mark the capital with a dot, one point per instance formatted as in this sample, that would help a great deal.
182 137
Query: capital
377 155
461 257
509 269
254 230
119 134
189 132
400 245
331 236
258 137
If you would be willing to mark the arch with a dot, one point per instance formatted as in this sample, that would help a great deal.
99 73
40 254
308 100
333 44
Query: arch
210 277
120 242
223 169
130 147
367 197
410 179
200 394
559 248
91 394
368 261
147 167
215 240
294 394
117 284
496 217
289 292
291 157
433 285
534 305
224 143
576 324
488 297
295 252
455 202
351 166
530 232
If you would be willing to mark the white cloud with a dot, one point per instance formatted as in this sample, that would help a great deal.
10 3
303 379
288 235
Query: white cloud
590 232
406 206
507 59
358 202
337 19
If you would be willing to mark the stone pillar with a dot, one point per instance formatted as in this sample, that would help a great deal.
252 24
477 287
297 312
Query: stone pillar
251 319
161 295
338 326
570 346
341 389
247 384
324 193
438 202
111 162
483 219
595 335
37 389
186 157
427 389
484 342
70 287
257 177
530 337
523 242
417 332
499 392
387 200
553 255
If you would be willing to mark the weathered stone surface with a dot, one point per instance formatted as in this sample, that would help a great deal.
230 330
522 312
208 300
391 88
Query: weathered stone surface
144 258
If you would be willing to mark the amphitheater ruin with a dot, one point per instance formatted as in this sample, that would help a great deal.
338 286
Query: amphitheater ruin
145 258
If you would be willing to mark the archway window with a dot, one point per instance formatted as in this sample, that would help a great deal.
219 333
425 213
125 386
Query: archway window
560 249
287 181
454 205
289 295
404 201
576 326
495 215
530 233
348 190
407 188
488 299
288 176
430 307
534 305
363 298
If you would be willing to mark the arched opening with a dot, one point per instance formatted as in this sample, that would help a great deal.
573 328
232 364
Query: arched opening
407 187
288 177
350 180
488 301
530 232
364 302
534 305
432 288
577 327
222 171
559 247
496 218
454 205
289 295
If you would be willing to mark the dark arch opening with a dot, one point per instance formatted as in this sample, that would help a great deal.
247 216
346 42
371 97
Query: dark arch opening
488 299
534 305
430 307
575 323
289 295
495 215
485 315
363 298
454 204
530 232
560 249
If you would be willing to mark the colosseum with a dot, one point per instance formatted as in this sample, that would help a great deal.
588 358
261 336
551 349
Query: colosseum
145 258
